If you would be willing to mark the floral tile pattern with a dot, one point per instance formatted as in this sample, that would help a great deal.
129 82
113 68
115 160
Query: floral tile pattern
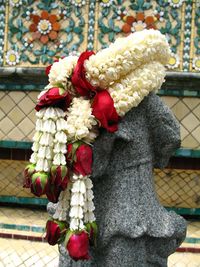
37 32
40 31
175 19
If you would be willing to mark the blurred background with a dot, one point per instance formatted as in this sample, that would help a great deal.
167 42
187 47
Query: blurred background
35 33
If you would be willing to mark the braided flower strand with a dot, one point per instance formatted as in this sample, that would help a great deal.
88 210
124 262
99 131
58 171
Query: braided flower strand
83 95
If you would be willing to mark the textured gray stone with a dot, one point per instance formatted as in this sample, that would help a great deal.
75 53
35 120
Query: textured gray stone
134 229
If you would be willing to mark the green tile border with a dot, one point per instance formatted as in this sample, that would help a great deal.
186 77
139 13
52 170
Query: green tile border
24 200
181 152
184 211
179 93
19 227
192 240
186 152
21 87
15 144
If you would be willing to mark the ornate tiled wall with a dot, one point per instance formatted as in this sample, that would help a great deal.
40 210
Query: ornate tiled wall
36 32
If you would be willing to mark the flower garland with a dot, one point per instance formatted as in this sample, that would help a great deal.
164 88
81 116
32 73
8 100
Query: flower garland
84 94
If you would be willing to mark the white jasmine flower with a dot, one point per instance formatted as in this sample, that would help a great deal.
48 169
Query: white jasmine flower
128 54
33 158
59 147
46 139
49 126
59 159
62 70
79 119
77 199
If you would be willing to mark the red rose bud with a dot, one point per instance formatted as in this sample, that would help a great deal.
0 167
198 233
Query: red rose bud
28 172
77 245
54 97
92 231
52 192
83 162
55 232
39 182
60 176
105 112
79 81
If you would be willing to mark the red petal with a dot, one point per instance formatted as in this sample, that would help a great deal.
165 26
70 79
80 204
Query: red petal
82 86
104 111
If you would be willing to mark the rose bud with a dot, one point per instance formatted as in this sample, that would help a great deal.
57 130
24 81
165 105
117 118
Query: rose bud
54 97
52 192
55 232
105 112
60 176
28 172
77 245
80 158
92 231
39 182
79 81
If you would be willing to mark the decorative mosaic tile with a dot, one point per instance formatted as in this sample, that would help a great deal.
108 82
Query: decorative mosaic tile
38 31
119 18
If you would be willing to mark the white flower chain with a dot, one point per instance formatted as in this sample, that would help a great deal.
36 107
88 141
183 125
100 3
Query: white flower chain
77 202
125 55
89 205
79 119
131 90
62 70
43 148
63 205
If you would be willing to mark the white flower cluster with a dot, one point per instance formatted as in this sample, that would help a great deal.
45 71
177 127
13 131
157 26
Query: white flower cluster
82 205
125 55
89 205
49 140
62 70
79 119
131 89
63 205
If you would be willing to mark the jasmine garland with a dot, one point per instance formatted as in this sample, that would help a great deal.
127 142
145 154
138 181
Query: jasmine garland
84 94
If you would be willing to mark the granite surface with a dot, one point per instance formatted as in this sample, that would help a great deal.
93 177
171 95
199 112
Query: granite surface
134 229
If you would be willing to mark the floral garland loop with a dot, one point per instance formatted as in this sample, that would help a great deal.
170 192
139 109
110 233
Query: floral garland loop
84 94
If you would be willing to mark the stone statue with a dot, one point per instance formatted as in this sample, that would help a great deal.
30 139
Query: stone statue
134 229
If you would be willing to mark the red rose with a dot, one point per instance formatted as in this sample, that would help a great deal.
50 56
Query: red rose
39 181
28 172
82 86
60 176
105 112
52 192
81 158
54 97
54 232
78 246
